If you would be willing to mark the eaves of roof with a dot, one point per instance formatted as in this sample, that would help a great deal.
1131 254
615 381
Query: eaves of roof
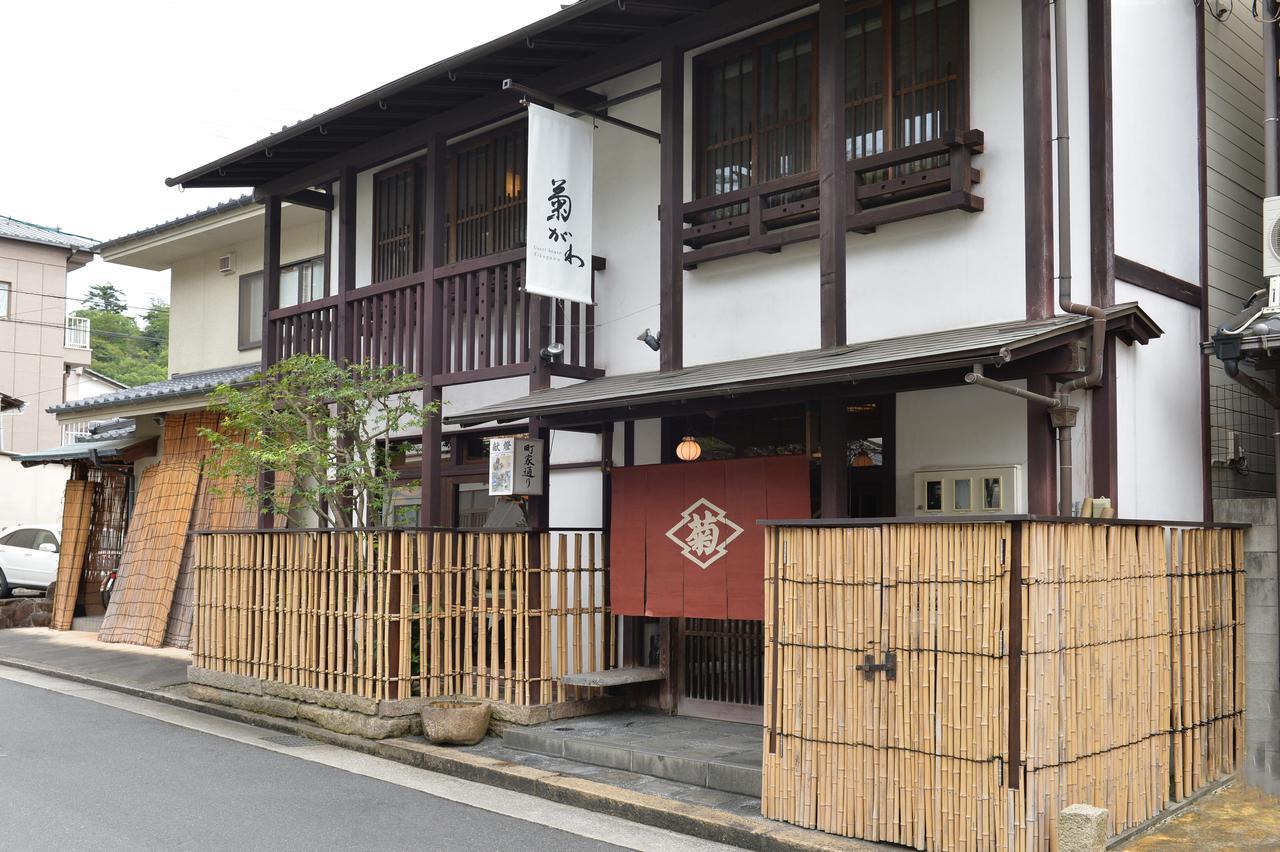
174 224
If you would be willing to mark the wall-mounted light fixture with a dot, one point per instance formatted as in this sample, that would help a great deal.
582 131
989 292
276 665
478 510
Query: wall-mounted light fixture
552 353
688 449
648 338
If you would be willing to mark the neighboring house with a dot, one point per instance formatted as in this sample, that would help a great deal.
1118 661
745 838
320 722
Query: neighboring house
42 350
845 324
215 311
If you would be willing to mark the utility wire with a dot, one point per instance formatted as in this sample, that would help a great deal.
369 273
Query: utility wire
91 331
162 307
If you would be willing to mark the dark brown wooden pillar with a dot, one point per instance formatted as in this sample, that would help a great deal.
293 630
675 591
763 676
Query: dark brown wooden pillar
346 258
1037 130
833 194
431 318
834 438
671 248
1102 248
270 300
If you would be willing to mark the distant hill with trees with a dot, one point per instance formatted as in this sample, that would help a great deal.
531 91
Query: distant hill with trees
132 350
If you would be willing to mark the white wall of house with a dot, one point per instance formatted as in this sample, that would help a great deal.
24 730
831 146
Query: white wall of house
31 495
1158 415
1155 128
205 304
962 427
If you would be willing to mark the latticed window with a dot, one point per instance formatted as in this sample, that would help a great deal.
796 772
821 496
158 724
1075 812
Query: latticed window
395 222
486 210
756 100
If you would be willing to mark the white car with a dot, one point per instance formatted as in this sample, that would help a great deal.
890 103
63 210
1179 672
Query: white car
28 558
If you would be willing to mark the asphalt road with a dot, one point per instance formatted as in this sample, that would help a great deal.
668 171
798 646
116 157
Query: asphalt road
79 773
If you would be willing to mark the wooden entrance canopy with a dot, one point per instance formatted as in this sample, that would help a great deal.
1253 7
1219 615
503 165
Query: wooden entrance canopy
1012 350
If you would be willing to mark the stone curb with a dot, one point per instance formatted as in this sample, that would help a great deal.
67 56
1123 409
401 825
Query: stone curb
694 820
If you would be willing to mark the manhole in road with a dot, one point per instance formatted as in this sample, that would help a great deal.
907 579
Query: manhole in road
289 741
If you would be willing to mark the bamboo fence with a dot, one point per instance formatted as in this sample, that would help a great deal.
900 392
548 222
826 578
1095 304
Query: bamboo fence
77 512
395 614
1037 665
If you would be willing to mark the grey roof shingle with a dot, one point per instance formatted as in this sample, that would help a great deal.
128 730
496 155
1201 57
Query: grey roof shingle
16 229
152 230
917 353
188 384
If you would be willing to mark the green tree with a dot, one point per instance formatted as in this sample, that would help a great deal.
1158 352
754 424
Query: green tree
106 297
118 349
327 426
155 332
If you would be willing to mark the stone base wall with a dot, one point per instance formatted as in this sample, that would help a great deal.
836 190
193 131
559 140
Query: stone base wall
349 714
25 612
1262 638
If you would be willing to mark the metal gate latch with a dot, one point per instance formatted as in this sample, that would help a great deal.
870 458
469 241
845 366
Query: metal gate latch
869 666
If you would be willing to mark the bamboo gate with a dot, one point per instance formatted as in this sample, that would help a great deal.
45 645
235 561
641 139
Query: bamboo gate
392 614
954 686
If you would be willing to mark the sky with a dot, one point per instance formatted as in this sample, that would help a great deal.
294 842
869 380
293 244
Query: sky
103 101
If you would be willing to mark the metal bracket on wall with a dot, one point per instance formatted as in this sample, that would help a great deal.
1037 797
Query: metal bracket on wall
869 666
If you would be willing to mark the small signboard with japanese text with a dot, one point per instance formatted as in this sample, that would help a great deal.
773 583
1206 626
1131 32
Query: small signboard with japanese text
515 467
558 254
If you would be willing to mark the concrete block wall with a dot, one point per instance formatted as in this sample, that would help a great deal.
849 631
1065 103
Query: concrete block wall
1262 638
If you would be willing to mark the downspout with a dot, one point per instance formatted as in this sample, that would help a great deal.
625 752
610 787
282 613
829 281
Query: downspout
1062 414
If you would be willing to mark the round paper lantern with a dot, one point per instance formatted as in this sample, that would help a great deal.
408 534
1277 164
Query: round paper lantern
688 449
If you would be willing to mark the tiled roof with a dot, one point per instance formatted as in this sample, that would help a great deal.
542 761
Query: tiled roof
917 353
16 229
216 209
188 384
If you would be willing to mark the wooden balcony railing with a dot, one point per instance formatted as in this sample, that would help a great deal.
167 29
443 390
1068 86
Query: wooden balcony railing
904 183
489 326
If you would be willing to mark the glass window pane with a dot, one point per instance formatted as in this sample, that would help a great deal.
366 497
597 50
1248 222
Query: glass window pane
963 501
5 287
289 277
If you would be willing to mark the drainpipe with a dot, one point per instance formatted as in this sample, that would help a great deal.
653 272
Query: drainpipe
1062 414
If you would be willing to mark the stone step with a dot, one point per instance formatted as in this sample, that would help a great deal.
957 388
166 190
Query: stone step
686 768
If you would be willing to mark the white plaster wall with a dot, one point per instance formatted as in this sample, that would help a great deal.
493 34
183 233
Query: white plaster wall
954 269
205 304
1158 415
457 399
958 428
626 227
31 495
576 499
1155 127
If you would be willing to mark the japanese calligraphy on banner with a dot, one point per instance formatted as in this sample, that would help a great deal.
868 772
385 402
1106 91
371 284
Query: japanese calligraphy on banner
515 466
684 540
558 253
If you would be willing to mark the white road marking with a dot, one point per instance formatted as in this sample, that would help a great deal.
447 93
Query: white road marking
601 827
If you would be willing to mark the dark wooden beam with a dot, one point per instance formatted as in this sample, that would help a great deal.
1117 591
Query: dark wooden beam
717 22
311 198
1141 275
271 224
1102 231
834 438
1104 430
671 199
1037 130
346 257
431 327
832 179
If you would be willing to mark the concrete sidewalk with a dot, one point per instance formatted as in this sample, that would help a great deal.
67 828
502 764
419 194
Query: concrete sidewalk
1235 816
80 654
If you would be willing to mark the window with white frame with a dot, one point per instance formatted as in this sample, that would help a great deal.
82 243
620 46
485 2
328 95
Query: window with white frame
5 290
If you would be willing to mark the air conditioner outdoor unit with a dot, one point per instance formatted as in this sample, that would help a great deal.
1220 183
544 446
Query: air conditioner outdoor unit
1271 236
227 263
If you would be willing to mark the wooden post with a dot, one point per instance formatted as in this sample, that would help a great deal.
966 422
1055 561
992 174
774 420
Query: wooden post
346 258
1013 765
270 299
1037 157
833 191
432 318
671 245
835 459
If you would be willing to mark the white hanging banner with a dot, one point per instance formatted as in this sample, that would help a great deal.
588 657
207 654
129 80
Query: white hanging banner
558 254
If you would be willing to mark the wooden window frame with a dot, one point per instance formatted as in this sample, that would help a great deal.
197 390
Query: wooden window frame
756 41
414 169
487 139
246 327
